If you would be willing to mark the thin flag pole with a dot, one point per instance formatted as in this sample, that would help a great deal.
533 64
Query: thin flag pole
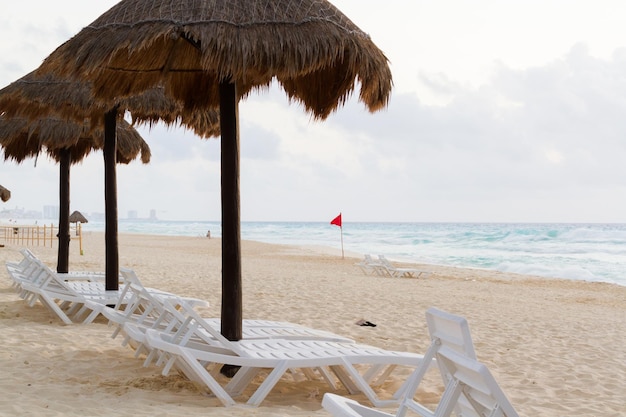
337 222
341 229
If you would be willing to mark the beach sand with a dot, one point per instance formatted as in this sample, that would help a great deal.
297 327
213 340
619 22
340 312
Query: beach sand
556 347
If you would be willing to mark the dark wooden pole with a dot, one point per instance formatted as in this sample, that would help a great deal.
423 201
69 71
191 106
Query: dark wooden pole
112 266
63 255
232 317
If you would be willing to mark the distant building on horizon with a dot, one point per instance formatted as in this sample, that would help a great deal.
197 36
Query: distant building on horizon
97 217
19 213
50 212
134 215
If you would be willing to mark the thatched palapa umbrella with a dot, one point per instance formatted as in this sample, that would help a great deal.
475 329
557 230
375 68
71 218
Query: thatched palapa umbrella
67 142
35 96
77 217
211 53
5 194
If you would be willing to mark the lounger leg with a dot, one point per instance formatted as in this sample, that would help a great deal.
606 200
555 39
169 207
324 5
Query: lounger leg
371 373
67 304
411 384
139 348
116 332
241 380
168 365
33 299
207 379
365 388
327 377
267 385
91 316
345 380
324 373
76 316
383 376
55 309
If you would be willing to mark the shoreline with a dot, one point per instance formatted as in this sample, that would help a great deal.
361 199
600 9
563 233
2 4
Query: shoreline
579 252
332 252
555 346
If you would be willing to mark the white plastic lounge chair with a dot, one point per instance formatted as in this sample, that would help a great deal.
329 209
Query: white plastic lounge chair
32 272
255 329
279 355
471 390
23 264
68 301
145 310
200 347
445 329
369 266
135 302
394 271
29 276
22 271
73 297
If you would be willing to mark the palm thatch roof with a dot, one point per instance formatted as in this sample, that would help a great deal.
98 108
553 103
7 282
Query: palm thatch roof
5 194
22 138
34 96
77 217
313 50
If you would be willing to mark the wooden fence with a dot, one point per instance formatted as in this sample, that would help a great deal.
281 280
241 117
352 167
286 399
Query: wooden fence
29 235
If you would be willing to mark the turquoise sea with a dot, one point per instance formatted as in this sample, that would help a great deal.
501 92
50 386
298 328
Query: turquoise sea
590 252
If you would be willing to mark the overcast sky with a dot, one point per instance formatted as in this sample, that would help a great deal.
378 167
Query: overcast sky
502 111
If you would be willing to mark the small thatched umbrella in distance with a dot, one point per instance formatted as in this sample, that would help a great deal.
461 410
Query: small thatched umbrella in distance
210 53
5 194
67 143
77 217
36 96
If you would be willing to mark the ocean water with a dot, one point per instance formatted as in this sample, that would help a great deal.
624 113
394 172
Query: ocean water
590 252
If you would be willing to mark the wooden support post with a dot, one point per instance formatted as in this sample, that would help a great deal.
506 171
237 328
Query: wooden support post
112 266
232 298
80 237
63 251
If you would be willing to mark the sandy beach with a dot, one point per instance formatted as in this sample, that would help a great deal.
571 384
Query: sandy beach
556 347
